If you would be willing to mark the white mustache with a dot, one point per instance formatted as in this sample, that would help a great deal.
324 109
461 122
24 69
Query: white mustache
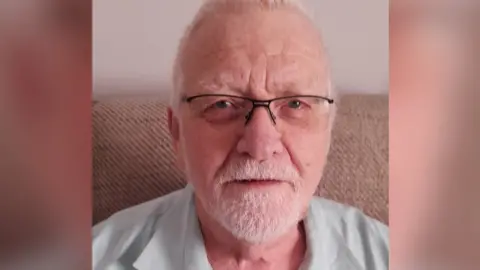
252 169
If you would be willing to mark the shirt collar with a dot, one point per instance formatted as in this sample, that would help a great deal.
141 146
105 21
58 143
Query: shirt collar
326 248
177 236
182 242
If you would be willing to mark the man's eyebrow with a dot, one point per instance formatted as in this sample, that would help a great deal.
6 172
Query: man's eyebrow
293 89
220 88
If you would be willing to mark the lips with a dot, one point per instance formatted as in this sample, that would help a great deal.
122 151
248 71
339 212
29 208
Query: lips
257 181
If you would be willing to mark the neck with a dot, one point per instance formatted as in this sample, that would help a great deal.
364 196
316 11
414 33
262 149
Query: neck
221 245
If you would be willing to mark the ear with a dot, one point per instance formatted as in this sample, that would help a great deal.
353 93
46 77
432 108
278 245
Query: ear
174 128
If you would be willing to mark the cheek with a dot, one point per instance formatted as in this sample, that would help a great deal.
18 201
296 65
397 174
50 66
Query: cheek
308 153
205 150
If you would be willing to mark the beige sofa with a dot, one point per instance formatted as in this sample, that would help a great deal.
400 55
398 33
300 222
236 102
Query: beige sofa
133 161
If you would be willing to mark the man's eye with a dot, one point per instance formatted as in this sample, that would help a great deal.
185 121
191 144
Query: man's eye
222 104
294 104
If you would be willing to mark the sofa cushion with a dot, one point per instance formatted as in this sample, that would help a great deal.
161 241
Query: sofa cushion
133 161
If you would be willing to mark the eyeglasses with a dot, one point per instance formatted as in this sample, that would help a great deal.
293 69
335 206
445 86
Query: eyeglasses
293 110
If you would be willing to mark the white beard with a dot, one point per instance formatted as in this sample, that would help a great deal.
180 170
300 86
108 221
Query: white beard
256 216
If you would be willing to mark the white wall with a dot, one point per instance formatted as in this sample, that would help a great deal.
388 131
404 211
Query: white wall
135 41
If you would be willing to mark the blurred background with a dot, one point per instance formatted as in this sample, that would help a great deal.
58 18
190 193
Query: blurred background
135 43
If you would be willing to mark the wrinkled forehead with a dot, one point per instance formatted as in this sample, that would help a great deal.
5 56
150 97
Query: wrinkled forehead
260 29
229 46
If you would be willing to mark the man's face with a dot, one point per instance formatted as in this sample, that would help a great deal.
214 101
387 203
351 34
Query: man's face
260 55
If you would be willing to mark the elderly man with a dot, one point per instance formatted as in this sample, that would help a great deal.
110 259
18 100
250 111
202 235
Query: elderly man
251 116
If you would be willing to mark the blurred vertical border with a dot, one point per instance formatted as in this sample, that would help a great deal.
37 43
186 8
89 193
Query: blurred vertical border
434 131
45 134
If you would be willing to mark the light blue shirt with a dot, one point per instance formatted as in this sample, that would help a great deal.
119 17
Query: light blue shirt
164 234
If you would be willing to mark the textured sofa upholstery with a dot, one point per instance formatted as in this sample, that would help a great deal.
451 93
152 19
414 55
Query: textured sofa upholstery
133 161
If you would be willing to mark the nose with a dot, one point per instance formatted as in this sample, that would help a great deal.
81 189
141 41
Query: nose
260 139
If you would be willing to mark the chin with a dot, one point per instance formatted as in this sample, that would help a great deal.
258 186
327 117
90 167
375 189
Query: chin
257 217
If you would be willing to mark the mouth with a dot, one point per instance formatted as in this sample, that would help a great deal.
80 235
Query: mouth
257 182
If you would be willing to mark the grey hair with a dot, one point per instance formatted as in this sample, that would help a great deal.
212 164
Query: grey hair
210 7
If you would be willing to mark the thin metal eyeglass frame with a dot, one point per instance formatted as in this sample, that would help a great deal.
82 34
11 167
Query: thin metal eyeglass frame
257 102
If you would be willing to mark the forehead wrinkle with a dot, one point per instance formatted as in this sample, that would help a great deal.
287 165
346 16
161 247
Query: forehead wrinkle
284 76
294 87
294 74
230 32
235 60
